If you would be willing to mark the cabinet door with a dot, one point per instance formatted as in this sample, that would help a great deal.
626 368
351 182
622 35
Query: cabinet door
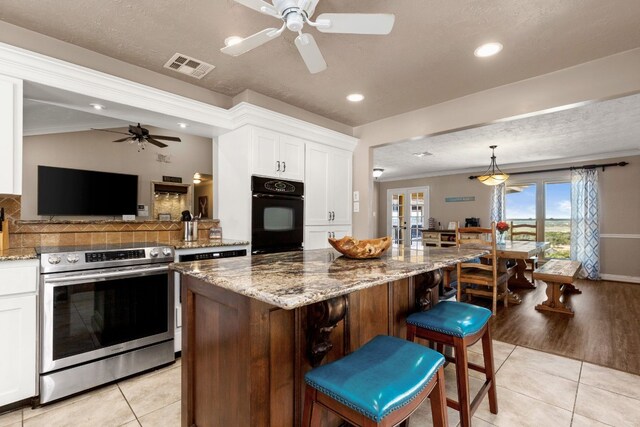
291 158
10 135
340 186
316 237
264 152
316 194
340 232
18 344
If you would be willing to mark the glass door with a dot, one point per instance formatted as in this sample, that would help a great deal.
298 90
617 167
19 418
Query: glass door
407 210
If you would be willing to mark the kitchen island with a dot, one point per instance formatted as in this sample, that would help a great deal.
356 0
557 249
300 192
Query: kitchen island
255 325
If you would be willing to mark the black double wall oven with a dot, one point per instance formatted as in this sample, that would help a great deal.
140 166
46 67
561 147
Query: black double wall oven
277 215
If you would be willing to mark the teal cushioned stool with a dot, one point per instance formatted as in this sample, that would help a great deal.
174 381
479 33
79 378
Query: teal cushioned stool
460 325
379 384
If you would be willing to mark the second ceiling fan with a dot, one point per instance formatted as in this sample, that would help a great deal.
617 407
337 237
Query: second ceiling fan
295 14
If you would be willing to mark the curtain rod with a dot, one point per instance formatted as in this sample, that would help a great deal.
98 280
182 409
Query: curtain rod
602 165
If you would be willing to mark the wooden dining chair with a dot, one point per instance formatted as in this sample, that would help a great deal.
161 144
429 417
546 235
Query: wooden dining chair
484 280
526 232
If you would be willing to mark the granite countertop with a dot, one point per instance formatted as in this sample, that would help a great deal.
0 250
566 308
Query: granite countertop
206 243
294 279
18 254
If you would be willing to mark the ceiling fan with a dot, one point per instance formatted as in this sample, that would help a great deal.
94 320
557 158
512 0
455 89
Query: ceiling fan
141 136
295 14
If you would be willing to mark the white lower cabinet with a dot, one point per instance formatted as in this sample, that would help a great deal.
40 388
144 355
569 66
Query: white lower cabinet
318 237
18 338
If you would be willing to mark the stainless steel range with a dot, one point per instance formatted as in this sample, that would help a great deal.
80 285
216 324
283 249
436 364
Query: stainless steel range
106 313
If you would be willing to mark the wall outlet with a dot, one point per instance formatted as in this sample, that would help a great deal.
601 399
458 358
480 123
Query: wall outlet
128 217
356 196
143 210
356 206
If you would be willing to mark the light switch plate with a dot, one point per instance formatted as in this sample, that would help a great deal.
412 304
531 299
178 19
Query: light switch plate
356 206
356 196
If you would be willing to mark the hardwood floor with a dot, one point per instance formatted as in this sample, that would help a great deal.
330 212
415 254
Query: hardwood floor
605 329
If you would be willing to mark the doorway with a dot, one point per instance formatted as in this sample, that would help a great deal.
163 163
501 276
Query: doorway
407 209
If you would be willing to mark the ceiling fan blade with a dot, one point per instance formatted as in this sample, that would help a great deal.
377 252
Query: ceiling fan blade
251 42
168 138
156 143
356 23
258 6
310 53
122 139
112 131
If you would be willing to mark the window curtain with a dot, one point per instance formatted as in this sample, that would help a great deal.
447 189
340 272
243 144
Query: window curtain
585 235
497 202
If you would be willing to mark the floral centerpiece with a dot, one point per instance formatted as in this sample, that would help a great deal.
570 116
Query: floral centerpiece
502 227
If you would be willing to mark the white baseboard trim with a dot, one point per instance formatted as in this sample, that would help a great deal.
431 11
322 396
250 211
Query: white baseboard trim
619 278
620 236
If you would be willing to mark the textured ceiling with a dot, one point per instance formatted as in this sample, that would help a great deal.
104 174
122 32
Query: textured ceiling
596 130
425 60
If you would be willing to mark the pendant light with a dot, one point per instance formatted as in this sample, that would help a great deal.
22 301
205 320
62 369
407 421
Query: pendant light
493 175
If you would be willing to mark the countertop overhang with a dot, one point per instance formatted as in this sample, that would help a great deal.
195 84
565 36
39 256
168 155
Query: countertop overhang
294 279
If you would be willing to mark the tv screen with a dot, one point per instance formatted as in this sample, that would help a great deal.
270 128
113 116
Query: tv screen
63 191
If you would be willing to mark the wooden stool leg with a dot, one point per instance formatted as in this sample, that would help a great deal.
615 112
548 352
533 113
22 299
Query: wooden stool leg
411 332
438 398
462 378
487 352
310 418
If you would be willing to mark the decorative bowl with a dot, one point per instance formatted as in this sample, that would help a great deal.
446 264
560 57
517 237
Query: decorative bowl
361 249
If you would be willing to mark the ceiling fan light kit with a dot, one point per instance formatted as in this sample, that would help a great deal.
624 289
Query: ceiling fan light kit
493 175
295 14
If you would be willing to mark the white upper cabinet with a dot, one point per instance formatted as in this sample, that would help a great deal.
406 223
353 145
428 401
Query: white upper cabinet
10 135
277 155
327 185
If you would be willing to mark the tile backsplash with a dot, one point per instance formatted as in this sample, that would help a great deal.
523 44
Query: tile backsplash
29 234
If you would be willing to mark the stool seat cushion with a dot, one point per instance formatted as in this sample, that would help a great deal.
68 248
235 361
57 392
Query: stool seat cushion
381 376
453 318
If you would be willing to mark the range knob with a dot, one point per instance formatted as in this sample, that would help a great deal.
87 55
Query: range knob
54 259
73 258
153 253
166 251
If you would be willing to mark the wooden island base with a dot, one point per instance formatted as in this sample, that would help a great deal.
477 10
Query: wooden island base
244 360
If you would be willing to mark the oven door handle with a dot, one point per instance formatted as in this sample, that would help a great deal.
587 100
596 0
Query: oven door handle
276 196
107 275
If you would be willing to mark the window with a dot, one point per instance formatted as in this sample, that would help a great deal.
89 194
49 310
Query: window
547 203
557 219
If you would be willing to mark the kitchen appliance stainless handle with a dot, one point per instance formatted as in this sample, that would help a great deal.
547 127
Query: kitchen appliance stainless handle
278 165
107 275
284 166
276 196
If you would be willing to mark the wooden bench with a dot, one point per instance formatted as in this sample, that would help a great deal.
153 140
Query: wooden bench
559 276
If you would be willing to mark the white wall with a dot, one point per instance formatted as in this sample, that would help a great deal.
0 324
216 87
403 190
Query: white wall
93 150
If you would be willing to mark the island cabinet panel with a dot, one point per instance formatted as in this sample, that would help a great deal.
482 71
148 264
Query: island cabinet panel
244 360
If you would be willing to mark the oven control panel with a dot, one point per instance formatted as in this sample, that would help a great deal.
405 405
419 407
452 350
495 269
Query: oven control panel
114 255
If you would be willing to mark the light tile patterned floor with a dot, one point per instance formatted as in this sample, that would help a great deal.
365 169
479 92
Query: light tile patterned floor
534 389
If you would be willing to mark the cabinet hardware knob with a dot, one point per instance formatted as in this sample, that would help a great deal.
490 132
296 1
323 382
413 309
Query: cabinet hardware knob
284 166
278 165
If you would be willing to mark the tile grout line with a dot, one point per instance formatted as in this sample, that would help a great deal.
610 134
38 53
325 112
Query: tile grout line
128 404
575 401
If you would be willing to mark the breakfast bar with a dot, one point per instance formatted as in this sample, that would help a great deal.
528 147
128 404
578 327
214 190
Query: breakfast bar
255 325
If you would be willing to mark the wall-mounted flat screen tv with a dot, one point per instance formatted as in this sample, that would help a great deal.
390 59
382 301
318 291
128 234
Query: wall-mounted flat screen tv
63 191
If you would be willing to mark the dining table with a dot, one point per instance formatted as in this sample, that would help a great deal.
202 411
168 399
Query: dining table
519 251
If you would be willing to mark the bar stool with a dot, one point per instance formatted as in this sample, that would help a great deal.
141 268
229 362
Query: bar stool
380 384
459 325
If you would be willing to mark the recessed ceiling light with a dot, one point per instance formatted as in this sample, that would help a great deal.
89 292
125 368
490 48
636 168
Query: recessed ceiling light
230 41
424 153
183 125
488 49
355 97
97 106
